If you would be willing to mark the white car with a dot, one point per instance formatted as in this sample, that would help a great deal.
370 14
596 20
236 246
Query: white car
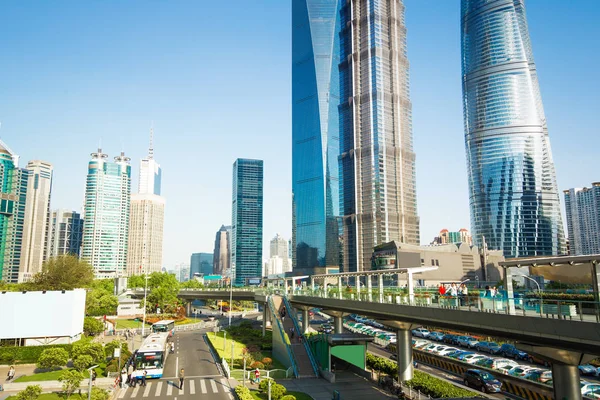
420 343
447 351
590 389
420 332
473 358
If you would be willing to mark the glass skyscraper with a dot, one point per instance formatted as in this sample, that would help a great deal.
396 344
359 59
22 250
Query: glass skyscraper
315 133
513 194
247 220
377 163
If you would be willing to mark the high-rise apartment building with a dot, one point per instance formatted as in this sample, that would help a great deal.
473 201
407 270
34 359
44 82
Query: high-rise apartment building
315 133
222 252
377 162
247 220
13 197
447 237
37 218
201 264
106 215
279 248
65 233
512 183
147 219
583 219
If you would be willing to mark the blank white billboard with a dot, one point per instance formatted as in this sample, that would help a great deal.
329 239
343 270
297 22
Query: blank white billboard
41 314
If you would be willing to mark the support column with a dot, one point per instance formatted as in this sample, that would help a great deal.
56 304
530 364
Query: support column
369 287
293 286
566 381
509 290
264 321
380 285
339 287
312 285
405 354
285 286
305 321
411 287
357 283
188 309
338 324
596 287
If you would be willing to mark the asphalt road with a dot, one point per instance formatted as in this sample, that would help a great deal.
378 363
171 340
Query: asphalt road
202 376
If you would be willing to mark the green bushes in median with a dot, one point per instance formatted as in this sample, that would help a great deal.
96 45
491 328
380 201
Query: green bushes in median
243 393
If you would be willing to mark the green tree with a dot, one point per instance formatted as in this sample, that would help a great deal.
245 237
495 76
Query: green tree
31 392
192 284
65 272
94 350
135 281
53 357
100 300
99 394
92 327
82 362
105 285
71 380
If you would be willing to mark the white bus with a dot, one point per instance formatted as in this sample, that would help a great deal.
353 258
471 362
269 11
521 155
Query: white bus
152 356
164 326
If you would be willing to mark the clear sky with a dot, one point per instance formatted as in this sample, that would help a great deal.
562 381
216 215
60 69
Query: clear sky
215 78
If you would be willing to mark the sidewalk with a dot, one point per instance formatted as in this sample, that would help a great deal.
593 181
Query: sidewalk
49 386
20 370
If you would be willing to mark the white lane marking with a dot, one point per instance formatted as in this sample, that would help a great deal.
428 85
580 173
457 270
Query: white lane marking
135 391
213 384
158 389
147 391
202 386
122 393
192 387
225 384
170 388
177 365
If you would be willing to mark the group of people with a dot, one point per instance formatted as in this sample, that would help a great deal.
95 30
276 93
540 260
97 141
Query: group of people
129 333
490 291
454 290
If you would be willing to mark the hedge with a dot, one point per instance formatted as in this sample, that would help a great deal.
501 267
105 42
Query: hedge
421 381
243 393
561 296
27 354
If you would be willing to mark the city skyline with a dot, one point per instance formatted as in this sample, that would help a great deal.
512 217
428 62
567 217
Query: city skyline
567 98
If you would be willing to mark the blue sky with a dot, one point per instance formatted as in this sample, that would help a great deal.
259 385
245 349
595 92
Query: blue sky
215 78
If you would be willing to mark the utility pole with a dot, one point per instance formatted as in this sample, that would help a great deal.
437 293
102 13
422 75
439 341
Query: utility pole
484 269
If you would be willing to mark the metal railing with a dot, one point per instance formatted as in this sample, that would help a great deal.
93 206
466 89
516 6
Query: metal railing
294 319
286 339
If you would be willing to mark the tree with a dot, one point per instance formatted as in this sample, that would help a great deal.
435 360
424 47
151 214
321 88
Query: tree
164 298
92 327
64 272
53 357
82 362
94 350
31 392
192 284
100 299
71 380
99 394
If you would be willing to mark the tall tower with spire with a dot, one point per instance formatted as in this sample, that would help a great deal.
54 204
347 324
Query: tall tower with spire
147 218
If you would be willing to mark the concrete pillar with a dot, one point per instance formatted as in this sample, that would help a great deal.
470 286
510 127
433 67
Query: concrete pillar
312 285
566 381
264 321
305 321
357 283
411 287
596 287
293 286
509 290
285 286
338 324
405 354
188 309
339 287
369 287
380 285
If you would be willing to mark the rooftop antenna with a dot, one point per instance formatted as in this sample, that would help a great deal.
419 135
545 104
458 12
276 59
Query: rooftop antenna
151 148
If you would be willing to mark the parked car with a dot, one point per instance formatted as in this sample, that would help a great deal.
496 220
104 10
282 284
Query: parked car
419 343
587 370
447 351
438 336
488 347
420 332
467 341
501 364
460 353
521 370
482 380
536 360
473 358
589 389
539 375
509 350
450 339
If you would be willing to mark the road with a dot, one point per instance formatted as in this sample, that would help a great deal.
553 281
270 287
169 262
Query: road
202 376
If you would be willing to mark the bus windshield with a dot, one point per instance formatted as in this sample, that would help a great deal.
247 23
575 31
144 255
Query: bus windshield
149 360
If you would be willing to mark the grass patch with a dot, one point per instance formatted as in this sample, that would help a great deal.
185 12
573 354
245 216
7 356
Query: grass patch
53 396
223 345
264 396
127 324
188 321
54 375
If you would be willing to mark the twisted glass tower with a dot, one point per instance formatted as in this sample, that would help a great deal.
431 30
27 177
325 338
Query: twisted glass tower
513 194
315 133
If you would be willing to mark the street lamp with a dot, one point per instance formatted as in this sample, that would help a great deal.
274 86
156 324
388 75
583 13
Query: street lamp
538 287
145 295
230 296
90 369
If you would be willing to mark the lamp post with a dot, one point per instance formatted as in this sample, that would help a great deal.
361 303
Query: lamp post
145 295
90 369
230 297
539 290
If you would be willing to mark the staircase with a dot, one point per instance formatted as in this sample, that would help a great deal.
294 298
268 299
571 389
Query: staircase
306 367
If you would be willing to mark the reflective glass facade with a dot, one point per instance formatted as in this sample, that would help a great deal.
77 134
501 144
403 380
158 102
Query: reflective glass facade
247 220
315 133
377 163
513 194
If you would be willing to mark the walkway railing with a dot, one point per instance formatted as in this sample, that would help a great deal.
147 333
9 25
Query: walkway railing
286 339
294 319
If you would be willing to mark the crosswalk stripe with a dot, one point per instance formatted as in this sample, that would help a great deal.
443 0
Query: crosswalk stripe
170 388
158 388
182 390
147 391
213 384
202 386
192 387
135 391
225 385
122 393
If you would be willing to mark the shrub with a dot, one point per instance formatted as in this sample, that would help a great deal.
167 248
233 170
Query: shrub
277 391
257 364
243 393
268 362
263 386
27 354
82 362
53 358
71 380
94 350
31 392
92 327
99 394
288 397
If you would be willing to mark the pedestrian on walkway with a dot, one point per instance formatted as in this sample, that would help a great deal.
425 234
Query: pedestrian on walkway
292 333
144 378
94 377
124 378
129 373
257 376
11 373
181 377
172 347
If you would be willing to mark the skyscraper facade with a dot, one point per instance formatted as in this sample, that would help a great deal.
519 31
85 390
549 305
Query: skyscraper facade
106 215
377 162
150 172
222 252
247 220
13 198
37 217
583 219
65 233
513 194
201 264
315 133
279 248
147 215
